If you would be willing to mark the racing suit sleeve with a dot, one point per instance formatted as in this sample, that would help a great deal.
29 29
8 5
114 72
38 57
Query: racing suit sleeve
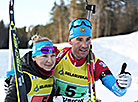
103 73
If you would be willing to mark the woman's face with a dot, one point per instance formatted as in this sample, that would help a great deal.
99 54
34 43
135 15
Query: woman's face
46 61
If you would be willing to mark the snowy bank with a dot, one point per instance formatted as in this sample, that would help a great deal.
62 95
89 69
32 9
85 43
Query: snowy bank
114 51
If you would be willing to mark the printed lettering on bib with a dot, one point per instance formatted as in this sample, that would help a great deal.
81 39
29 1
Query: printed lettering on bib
71 90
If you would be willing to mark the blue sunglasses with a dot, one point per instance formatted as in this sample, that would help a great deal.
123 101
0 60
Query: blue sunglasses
79 22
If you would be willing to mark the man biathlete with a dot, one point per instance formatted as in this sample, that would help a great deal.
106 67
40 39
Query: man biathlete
71 71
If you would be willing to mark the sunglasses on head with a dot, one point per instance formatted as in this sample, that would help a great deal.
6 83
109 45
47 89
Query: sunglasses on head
79 22
48 50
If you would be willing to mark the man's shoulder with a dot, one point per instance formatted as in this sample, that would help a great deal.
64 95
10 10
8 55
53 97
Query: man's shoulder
61 53
62 50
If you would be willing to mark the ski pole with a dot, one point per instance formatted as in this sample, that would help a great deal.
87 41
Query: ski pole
89 80
90 65
90 8
20 85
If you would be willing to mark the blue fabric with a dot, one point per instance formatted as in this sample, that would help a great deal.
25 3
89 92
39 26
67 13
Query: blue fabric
11 72
81 30
37 47
109 81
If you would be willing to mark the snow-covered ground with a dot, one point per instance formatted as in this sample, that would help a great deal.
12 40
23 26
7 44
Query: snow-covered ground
114 51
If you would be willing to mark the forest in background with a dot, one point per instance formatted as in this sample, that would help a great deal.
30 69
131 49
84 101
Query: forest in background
112 17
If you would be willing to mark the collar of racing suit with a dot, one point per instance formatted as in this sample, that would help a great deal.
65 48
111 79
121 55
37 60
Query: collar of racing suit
74 61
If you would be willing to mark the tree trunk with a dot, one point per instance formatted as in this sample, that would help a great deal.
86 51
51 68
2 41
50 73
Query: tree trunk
99 10
60 29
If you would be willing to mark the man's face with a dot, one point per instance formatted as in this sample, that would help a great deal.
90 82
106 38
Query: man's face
80 46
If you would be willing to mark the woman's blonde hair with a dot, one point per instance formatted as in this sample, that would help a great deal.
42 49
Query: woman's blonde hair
38 43
37 38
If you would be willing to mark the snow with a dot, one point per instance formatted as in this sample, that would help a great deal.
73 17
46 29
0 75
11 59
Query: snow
114 51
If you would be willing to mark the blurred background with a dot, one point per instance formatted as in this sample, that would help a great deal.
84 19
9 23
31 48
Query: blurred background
112 17
115 34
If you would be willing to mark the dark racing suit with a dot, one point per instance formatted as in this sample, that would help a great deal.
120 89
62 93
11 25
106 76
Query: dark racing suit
36 84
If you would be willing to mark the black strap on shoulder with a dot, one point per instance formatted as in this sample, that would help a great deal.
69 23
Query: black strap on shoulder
104 73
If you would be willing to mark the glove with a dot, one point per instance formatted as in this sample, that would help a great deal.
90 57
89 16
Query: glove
124 79
7 83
